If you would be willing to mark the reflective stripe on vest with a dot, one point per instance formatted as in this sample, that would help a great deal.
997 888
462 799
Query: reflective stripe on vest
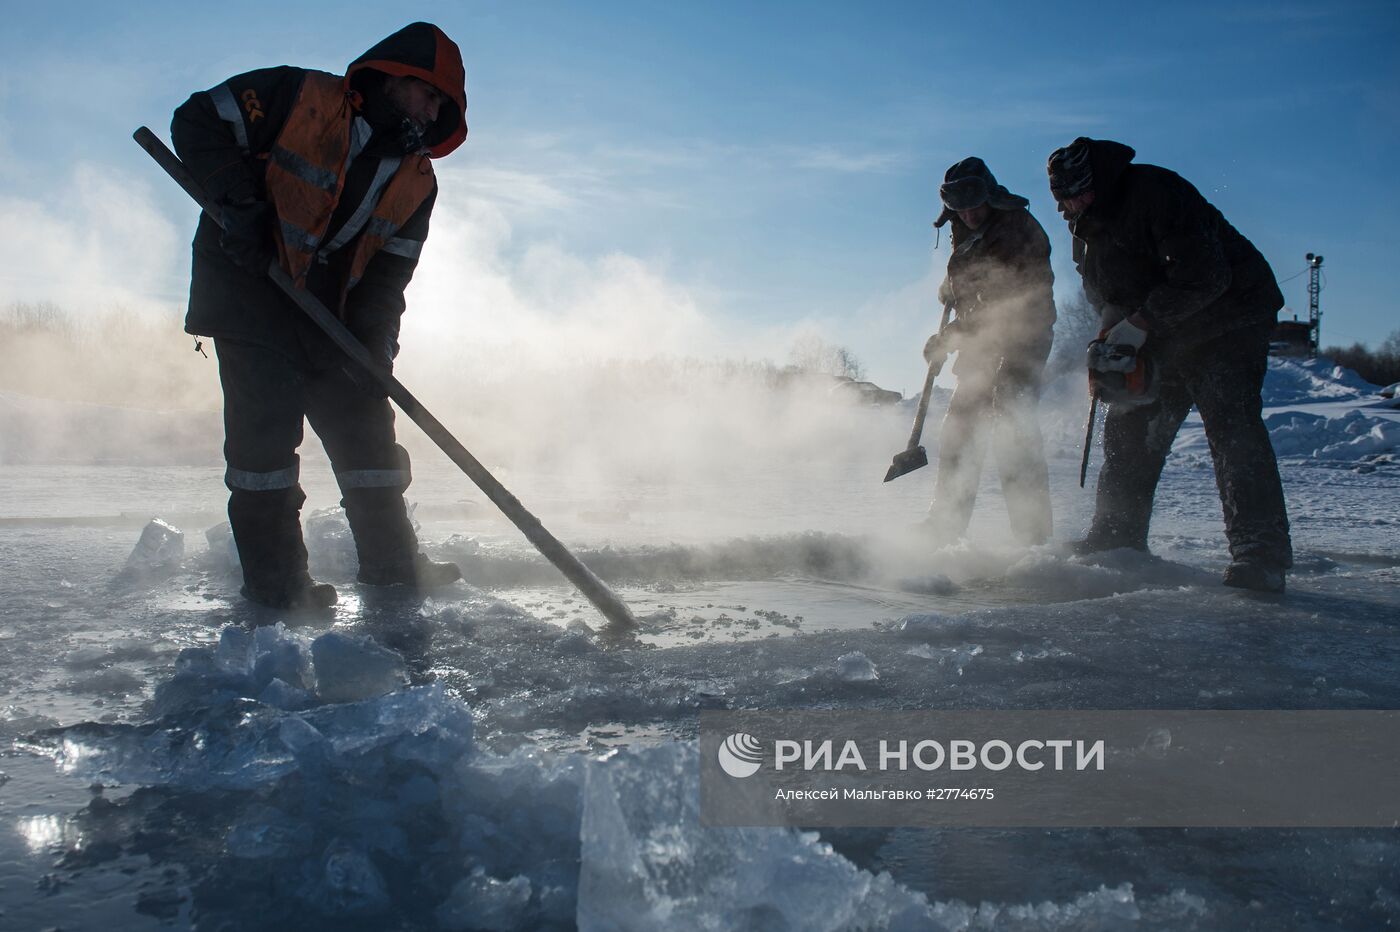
407 190
230 113
306 171
408 248
382 174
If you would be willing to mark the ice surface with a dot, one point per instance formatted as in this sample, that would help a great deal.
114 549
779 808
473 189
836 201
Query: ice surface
1055 576
160 546
222 549
648 864
350 668
338 798
465 802
265 832
342 790
956 657
855 667
329 543
483 902
1106 909
347 884
242 743
228 716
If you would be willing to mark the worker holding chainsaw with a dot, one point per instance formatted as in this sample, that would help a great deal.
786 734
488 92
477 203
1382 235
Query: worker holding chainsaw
1187 305
330 176
1000 285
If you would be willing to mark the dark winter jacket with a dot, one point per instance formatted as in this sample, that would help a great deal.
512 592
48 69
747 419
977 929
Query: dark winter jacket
1151 243
999 281
224 137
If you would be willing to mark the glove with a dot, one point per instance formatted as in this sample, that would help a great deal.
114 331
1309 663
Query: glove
245 238
933 348
943 342
1126 333
383 346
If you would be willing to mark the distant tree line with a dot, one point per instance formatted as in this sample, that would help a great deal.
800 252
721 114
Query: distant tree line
814 356
1379 366
116 356
109 356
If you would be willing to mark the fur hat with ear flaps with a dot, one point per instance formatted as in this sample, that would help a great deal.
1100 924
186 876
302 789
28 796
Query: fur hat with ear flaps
970 183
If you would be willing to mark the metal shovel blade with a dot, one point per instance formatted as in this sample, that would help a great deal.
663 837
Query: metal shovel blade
908 461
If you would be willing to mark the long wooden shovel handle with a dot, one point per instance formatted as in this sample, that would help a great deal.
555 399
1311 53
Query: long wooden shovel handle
593 588
934 367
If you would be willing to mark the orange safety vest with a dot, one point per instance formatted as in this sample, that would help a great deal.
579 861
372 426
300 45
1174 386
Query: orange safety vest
306 175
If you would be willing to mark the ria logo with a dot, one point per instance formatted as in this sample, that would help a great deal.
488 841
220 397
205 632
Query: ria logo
741 755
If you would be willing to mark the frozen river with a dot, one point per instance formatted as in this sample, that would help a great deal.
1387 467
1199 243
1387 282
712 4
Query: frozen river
151 777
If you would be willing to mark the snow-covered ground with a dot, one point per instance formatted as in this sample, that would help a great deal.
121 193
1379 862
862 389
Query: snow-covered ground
482 759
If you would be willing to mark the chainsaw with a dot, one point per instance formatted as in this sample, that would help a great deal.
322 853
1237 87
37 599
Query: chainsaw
1119 374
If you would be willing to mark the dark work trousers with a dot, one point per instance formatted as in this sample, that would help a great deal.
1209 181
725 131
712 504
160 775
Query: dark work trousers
1004 405
1224 378
267 399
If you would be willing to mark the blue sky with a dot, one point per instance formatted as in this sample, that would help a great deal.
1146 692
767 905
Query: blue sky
763 166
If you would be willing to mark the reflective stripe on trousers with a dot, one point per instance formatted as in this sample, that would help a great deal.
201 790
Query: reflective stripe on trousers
237 479
373 479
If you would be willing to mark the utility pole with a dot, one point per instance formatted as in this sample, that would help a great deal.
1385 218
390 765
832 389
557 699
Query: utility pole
1314 312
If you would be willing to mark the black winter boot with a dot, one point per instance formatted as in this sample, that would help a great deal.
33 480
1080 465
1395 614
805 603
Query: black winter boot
1097 542
297 595
1259 575
267 532
419 572
386 542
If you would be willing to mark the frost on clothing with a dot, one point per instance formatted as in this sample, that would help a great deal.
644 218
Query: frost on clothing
1151 244
1000 282
1223 379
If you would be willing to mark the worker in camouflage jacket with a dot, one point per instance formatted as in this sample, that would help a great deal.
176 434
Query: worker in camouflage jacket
1000 284
1174 281
330 176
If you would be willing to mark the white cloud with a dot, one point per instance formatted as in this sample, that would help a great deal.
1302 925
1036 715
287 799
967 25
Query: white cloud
825 158
529 190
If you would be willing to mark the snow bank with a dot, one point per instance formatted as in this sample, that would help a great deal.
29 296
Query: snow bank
1349 438
1353 436
1293 381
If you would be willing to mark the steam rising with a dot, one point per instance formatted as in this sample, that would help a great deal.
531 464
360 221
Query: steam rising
590 380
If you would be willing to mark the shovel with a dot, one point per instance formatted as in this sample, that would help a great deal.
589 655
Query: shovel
620 618
915 456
